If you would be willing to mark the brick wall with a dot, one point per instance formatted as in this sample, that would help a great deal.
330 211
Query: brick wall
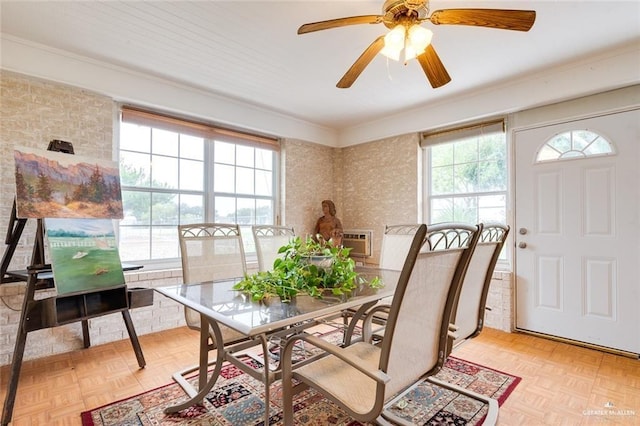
34 112
307 172
380 185
500 301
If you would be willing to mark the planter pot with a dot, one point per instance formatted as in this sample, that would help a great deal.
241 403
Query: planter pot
324 262
281 308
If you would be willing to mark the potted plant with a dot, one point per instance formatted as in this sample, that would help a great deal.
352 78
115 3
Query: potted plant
313 267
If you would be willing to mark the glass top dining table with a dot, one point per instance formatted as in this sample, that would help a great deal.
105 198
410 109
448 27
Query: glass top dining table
218 301
219 304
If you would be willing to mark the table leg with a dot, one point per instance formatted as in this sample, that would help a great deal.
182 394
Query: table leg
205 385
204 352
267 378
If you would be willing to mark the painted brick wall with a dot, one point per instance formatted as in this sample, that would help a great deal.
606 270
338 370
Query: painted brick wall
380 185
500 301
34 112
308 172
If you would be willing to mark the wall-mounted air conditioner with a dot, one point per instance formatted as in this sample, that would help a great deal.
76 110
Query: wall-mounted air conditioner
359 241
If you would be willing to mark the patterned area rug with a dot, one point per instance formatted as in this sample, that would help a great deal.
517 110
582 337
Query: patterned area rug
237 400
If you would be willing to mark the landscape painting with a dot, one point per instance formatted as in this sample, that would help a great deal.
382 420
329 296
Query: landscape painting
55 184
84 254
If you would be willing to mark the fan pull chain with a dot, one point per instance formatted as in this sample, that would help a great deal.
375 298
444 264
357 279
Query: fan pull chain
389 76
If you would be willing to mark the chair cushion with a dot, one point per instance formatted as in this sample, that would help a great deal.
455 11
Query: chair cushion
341 382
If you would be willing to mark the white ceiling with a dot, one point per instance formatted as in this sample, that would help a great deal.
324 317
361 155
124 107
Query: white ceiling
249 50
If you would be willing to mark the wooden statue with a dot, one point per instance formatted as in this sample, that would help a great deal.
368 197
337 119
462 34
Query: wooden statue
329 226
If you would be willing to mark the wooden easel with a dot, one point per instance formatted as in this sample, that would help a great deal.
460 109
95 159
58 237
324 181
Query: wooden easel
57 310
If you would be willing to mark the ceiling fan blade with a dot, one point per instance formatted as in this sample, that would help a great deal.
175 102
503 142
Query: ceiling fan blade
340 22
433 68
505 19
361 63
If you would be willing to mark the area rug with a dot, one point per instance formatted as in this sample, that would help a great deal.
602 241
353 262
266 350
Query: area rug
237 400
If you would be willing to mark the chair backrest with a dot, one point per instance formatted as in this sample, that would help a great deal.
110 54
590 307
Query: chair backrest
210 251
469 316
417 327
396 242
269 239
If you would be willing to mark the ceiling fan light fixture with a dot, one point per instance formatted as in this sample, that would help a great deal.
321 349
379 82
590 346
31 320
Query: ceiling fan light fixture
395 38
391 53
410 53
412 41
403 18
419 38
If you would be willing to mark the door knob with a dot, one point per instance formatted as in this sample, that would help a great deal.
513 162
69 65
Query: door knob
522 231
522 245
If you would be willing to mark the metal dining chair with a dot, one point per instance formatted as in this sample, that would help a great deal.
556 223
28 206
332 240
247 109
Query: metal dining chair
366 378
269 239
451 235
469 311
396 242
209 252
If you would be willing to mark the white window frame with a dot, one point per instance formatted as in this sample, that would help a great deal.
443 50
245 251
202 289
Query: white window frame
452 135
597 146
217 134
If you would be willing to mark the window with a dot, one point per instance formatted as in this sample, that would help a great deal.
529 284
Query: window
178 172
466 174
574 144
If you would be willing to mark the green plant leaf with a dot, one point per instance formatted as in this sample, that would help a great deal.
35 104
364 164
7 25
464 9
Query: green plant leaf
294 272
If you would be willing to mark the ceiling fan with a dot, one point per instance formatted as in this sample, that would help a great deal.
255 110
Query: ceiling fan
404 19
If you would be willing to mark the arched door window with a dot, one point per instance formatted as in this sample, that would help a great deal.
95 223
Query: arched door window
574 144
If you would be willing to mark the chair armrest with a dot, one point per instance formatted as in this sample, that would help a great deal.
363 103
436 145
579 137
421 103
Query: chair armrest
367 333
385 308
337 351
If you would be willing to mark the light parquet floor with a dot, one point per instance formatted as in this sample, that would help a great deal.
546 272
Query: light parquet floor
561 384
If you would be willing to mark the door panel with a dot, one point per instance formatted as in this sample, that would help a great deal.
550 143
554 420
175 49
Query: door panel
549 203
549 283
578 264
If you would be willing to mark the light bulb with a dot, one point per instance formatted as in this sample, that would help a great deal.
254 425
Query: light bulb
395 38
391 53
409 53
394 43
419 38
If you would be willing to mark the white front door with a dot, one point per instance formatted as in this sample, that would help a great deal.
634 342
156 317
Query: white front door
577 234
